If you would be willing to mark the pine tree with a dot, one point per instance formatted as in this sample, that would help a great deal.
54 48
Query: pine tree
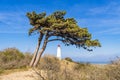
63 29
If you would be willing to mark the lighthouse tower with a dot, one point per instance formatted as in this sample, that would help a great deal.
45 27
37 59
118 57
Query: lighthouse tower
59 52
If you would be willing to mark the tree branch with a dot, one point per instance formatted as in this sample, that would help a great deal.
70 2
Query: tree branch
55 40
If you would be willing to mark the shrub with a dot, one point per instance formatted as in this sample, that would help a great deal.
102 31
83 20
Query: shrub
51 66
12 58
11 54
49 63
80 65
113 70
69 59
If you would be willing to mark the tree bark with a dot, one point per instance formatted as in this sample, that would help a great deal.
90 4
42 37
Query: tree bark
41 51
36 51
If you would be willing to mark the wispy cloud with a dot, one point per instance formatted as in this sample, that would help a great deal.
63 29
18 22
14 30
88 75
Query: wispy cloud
13 22
110 31
113 8
103 19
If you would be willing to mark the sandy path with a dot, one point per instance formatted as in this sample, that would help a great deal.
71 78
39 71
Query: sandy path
22 75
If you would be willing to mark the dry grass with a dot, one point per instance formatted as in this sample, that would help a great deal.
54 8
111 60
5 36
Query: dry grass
55 69
51 68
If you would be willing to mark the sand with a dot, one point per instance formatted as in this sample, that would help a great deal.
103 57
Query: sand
21 75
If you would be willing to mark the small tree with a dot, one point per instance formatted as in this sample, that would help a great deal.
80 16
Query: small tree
56 27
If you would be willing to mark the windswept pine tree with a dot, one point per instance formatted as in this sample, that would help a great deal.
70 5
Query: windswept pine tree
63 29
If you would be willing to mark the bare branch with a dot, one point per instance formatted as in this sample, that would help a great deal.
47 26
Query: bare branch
55 40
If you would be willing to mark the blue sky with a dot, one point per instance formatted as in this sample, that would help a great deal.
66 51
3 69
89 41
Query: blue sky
101 17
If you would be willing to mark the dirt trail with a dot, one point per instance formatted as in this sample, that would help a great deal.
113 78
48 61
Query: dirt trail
21 75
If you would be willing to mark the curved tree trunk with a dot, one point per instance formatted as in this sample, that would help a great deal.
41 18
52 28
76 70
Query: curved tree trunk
36 51
40 52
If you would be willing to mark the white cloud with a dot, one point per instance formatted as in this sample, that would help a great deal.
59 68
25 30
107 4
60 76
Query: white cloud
115 31
103 19
13 22
113 8
99 23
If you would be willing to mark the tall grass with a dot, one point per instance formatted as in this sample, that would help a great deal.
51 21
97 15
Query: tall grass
54 69
51 68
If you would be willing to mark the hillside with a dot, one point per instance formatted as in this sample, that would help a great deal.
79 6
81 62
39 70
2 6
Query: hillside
14 66
31 74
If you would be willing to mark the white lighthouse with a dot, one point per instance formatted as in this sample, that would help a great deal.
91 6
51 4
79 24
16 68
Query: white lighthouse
59 52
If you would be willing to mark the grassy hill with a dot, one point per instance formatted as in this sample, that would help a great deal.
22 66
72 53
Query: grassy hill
66 69
13 62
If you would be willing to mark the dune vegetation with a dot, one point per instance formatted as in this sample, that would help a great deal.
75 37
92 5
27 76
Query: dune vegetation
66 69
12 58
51 68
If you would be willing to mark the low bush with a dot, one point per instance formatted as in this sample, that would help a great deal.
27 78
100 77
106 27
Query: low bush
12 58
68 59
49 63
51 67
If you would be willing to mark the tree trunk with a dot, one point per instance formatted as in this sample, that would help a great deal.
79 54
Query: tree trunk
41 52
36 51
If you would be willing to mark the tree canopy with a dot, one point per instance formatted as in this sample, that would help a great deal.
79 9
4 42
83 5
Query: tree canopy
55 27
63 29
